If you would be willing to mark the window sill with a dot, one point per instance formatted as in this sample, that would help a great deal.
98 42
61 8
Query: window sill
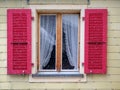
57 77
58 74
35 77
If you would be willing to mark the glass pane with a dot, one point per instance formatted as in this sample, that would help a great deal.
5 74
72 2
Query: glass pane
69 41
47 41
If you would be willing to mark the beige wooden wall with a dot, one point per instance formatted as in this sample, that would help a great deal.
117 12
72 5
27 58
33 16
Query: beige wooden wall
110 81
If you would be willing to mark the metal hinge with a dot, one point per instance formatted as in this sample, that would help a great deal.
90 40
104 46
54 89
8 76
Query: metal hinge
32 64
83 18
32 18
28 2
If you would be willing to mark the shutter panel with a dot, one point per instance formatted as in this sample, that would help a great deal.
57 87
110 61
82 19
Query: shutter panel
95 40
19 41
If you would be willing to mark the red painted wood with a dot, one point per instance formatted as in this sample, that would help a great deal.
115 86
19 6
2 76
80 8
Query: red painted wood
19 41
95 41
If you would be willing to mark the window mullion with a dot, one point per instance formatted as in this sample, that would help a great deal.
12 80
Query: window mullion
59 42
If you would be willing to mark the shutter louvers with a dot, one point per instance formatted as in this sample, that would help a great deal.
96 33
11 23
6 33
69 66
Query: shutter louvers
95 41
19 41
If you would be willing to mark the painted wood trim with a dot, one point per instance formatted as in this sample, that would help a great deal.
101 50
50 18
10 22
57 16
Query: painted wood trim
59 42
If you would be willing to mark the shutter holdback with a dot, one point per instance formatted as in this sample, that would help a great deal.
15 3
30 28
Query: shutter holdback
83 18
32 18
83 63
32 64
91 71
23 73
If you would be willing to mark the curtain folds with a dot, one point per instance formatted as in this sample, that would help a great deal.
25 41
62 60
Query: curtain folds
70 29
47 38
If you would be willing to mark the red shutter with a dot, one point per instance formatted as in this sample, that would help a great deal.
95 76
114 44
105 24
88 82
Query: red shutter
95 40
19 41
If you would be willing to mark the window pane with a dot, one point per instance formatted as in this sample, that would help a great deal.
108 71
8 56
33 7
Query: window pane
69 41
47 41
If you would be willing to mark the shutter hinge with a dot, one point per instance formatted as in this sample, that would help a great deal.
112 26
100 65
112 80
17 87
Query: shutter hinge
82 75
32 64
83 18
28 2
83 63
32 18
88 2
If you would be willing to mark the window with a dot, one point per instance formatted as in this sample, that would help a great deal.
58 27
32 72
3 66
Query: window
63 43
58 42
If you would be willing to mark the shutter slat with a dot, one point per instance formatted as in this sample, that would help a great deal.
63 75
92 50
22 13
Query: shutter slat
95 40
19 41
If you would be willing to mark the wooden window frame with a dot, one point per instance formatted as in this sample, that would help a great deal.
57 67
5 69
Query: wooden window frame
35 77
58 64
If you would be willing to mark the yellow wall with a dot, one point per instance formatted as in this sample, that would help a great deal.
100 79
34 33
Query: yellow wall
110 81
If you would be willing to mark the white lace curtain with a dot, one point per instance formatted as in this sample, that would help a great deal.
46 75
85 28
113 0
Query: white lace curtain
70 28
47 38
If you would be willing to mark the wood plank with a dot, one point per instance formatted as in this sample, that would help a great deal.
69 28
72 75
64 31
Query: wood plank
3 71
58 11
113 71
3 64
62 86
114 63
39 2
114 33
114 11
3 41
76 86
103 78
116 85
13 3
3 48
3 78
3 34
3 19
3 11
113 41
114 19
3 26
104 3
5 85
59 42
13 78
3 56
113 49
113 56
20 86
113 26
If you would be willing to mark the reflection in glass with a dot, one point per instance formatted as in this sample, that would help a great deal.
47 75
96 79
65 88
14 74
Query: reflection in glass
69 41
47 41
